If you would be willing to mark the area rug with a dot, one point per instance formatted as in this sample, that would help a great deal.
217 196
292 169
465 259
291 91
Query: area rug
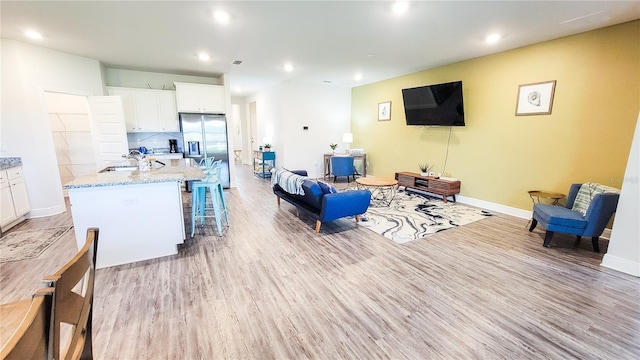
413 216
29 244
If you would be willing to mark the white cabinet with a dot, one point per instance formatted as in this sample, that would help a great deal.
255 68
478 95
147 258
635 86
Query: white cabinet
148 110
168 111
7 211
130 117
14 201
200 98
128 241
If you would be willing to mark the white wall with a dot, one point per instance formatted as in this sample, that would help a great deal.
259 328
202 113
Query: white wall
27 71
623 253
326 111
153 80
285 109
242 117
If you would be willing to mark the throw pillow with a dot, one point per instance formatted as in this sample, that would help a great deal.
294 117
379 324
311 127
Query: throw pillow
326 188
586 193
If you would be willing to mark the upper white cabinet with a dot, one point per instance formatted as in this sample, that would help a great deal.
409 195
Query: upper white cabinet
168 111
130 117
200 98
148 110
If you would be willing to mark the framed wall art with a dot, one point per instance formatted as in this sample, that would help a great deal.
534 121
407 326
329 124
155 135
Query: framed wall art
384 111
536 98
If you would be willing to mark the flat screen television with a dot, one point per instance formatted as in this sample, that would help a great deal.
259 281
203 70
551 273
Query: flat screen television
434 105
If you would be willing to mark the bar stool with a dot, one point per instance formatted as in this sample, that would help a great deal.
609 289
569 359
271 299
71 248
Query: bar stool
199 199
206 163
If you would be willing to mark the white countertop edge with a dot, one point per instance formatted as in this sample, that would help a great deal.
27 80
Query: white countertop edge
128 182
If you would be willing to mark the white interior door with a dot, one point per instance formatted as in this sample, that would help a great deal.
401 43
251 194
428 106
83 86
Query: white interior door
108 129
71 131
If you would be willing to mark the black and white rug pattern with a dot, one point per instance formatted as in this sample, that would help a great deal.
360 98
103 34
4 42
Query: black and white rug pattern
413 216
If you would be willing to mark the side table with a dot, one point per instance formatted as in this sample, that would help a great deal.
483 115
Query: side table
382 190
537 194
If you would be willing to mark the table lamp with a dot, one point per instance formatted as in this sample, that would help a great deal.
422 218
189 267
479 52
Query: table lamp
348 139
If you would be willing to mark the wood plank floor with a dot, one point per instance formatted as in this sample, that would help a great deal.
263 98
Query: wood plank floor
271 288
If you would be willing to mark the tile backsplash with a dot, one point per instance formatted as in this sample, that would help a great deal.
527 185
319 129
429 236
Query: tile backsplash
159 141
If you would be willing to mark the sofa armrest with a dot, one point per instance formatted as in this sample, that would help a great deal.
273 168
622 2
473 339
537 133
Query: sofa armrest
346 203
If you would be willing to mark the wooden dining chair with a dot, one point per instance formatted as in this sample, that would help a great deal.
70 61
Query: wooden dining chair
30 341
72 302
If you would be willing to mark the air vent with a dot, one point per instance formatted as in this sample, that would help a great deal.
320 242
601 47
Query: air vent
236 62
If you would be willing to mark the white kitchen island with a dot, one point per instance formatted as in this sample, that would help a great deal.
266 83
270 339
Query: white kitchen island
139 214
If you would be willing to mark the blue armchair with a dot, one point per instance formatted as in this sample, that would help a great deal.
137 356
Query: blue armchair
562 219
342 166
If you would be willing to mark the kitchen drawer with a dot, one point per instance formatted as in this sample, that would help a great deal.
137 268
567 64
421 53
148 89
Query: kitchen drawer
14 173
4 177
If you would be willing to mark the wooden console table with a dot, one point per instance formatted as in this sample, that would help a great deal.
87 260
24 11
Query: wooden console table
430 184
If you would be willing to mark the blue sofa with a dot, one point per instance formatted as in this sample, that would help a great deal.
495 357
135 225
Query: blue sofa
325 206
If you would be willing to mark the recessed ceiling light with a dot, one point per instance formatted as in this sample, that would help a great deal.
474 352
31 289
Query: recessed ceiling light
400 7
493 38
288 67
32 34
204 57
221 16
236 62
371 55
358 77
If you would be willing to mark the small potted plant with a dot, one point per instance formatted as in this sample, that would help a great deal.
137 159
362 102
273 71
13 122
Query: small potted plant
424 169
333 147
267 147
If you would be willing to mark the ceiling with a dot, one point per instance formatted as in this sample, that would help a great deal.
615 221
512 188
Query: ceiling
327 42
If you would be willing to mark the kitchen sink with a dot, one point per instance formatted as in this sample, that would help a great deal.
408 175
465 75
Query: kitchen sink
119 168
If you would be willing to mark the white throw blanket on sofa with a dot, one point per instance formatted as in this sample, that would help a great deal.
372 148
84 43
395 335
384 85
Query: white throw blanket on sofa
288 181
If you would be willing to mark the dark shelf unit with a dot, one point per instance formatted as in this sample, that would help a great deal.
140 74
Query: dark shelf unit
429 184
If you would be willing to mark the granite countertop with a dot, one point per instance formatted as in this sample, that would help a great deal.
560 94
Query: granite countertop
10 162
173 170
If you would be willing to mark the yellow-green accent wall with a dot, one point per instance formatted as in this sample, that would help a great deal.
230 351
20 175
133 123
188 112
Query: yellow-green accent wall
498 156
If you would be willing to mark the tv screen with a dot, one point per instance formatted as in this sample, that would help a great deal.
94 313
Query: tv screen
434 105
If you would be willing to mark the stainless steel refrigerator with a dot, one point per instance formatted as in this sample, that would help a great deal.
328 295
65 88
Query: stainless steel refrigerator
205 135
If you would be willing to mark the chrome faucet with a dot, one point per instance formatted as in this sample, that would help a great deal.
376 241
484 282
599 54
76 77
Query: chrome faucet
133 154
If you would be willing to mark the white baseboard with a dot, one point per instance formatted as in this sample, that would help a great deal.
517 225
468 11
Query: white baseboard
508 210
620 264
54 210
